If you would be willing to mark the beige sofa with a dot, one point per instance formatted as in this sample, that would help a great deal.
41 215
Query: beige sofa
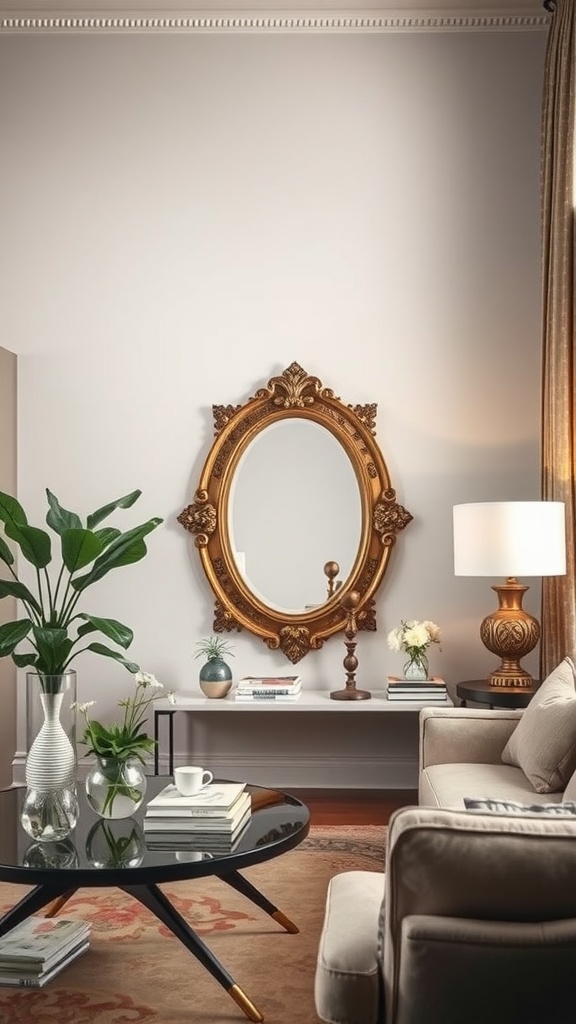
478 919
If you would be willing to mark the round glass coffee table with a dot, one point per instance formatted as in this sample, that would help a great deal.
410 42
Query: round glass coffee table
102 853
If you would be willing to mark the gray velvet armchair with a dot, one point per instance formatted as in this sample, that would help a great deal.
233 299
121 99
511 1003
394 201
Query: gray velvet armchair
473 922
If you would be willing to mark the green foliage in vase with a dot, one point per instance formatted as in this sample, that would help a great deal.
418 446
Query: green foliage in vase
125 739
214 648
55 631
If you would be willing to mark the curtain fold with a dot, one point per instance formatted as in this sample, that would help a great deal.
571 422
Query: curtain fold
558 407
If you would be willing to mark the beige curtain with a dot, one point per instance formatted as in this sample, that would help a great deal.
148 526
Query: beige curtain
558 413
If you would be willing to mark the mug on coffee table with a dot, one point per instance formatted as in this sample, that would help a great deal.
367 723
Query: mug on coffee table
190 779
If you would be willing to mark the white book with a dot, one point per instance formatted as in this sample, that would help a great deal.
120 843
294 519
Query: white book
204 824
205 841
270 682
38 939
261 692
28 980
288 698
214 798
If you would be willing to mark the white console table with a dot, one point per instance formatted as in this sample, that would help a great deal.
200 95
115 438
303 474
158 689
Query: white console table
310 701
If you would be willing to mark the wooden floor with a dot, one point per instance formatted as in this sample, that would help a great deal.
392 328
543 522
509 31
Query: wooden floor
354 806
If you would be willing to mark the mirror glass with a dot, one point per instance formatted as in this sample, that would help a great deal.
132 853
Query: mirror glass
295 505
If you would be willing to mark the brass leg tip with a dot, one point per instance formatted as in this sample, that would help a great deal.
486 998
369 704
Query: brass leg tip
245 1004
286 923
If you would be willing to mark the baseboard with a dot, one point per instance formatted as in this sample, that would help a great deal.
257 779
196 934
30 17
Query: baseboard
291 770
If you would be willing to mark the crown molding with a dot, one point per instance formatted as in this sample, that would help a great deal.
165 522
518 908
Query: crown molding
240 21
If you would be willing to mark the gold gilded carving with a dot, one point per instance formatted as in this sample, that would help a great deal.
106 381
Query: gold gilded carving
294 394
389 516
222 415
199 518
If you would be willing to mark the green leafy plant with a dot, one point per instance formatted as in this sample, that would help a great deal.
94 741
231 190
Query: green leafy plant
214 648
125 739
52 626
119 742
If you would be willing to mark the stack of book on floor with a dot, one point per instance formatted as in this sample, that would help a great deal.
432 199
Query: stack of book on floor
39 948
426 691
212 820
269 688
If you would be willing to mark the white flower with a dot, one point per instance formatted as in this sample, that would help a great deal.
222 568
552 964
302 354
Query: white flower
395 640
146 679
171 697
83 708
414 636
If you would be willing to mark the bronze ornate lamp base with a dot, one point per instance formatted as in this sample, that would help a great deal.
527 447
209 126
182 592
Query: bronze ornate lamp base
350 603
511 633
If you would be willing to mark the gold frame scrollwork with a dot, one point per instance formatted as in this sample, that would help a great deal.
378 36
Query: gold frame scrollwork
293 394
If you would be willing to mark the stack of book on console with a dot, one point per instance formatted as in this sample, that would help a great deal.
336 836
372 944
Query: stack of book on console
269 688
212 820
39 948
426 691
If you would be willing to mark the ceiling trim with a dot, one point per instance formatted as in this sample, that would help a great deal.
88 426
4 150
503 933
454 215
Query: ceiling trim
321 21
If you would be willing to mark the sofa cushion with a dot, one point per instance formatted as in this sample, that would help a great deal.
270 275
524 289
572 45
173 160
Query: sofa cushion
446 785
347 981
543 743
493 806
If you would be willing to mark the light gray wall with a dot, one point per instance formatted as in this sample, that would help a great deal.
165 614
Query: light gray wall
8 610
184 215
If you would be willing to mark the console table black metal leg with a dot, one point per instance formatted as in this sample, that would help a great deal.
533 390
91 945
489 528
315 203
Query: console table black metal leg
238 882
157 715
30 903
154 900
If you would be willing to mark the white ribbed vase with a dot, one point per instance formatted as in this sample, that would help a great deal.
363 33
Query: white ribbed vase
50 807
51 760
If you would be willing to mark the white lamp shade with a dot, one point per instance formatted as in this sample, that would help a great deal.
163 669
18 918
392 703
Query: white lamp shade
510 538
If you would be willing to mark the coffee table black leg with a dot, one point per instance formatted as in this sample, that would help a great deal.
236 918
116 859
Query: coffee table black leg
238 882
154 899
30 903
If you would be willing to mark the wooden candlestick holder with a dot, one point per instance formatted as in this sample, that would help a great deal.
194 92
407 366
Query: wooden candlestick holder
350 603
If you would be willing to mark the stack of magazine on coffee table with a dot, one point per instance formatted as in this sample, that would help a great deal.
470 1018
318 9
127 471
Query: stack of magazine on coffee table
425 691
38 948
212 820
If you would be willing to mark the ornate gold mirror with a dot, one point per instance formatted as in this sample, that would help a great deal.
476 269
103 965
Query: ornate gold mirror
293 512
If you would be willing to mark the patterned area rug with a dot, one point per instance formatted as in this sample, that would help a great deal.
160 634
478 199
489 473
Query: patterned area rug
136 972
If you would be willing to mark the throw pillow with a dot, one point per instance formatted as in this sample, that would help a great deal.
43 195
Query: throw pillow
494 806
543 743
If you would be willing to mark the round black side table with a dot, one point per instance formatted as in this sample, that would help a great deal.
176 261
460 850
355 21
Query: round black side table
479 691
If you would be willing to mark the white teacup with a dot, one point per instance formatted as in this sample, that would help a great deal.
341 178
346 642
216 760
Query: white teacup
190 779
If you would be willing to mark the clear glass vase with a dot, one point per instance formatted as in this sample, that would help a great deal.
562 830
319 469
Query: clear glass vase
49 815
416 668
116 786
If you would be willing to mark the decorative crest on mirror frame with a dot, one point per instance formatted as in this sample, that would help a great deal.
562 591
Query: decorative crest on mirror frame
293 394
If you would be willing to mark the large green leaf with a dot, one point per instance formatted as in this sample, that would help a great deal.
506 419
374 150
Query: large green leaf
126 549
11 633
79 548
58 518
107 534
102 513
111 628
25 660
53 648
13 588
5 553
107 653
34 544
11 511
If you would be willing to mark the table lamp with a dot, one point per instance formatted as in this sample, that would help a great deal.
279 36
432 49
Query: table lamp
510 539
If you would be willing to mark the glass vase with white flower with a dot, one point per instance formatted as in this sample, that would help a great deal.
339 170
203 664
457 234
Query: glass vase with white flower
116 786
414 637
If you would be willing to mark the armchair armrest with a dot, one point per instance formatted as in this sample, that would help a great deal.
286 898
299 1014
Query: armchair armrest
464 735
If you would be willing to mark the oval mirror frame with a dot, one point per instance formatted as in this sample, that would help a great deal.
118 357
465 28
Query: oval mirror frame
293 394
